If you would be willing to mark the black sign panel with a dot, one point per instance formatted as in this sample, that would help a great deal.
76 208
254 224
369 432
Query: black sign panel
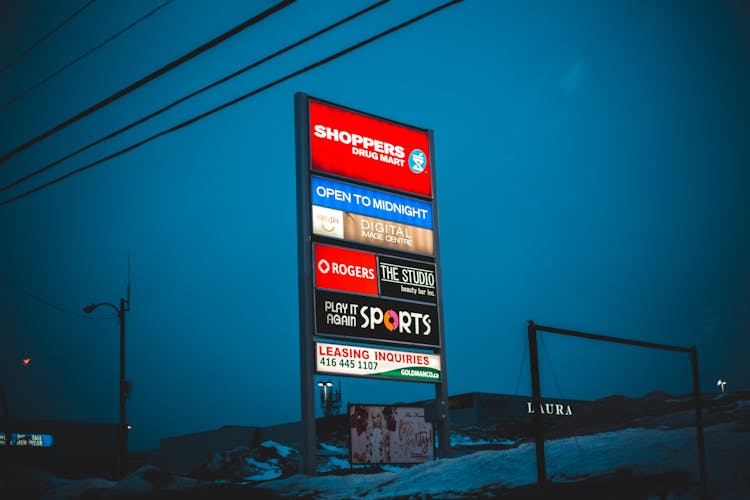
407 279
369 318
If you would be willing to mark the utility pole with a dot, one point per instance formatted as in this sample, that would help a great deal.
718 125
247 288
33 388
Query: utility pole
125 385
6 430
124 391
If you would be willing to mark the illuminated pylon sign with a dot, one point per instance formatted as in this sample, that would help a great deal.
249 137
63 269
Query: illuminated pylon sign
368 253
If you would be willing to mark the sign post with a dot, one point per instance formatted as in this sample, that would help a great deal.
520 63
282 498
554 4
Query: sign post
307 370
368 256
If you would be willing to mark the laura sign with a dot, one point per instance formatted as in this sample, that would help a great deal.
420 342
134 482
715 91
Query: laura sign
550 408
360 147
378 319
359 361
346 270
331 193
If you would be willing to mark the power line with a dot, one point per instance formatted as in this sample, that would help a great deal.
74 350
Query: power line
133 86
193 94
234 101
81 57
520 370
54 30
5 281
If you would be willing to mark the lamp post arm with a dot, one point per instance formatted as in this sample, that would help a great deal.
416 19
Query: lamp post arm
91 308
122 459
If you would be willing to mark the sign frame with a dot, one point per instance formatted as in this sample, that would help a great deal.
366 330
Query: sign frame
305 241
431 455
372 178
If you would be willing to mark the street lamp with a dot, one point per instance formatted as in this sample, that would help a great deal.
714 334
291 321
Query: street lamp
125 385
324 388
330 403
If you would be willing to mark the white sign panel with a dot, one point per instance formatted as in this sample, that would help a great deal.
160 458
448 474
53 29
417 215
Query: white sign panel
328 222
359 361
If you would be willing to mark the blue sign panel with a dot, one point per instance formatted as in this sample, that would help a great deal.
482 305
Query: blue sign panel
370 202
35 440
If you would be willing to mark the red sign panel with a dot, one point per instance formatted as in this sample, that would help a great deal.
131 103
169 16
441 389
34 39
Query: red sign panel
345 270
367 149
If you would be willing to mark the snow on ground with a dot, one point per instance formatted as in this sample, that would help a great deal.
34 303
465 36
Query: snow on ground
76 489
332 458
281 450
137 483
270 468
648 451
333 463
329 449
649 445
145 480
264 470
459 439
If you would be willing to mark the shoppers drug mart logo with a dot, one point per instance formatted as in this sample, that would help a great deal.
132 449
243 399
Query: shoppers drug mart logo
350 144
417 161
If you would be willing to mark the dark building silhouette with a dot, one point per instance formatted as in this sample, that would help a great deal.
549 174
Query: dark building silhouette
181 454
70 449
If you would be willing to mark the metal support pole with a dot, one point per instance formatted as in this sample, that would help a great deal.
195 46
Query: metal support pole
699 422
124 389
304 265
123 456
442 424
6 430
442 409
308 407
538 425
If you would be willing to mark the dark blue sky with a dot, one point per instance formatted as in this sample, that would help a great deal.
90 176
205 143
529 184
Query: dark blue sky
592 174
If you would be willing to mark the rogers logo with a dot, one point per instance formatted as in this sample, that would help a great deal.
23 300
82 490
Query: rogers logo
346 269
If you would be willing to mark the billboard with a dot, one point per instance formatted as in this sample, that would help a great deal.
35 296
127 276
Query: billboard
371 231
407 279
345 269
359 361
389 434
376 319
27 439
347 197
361 147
